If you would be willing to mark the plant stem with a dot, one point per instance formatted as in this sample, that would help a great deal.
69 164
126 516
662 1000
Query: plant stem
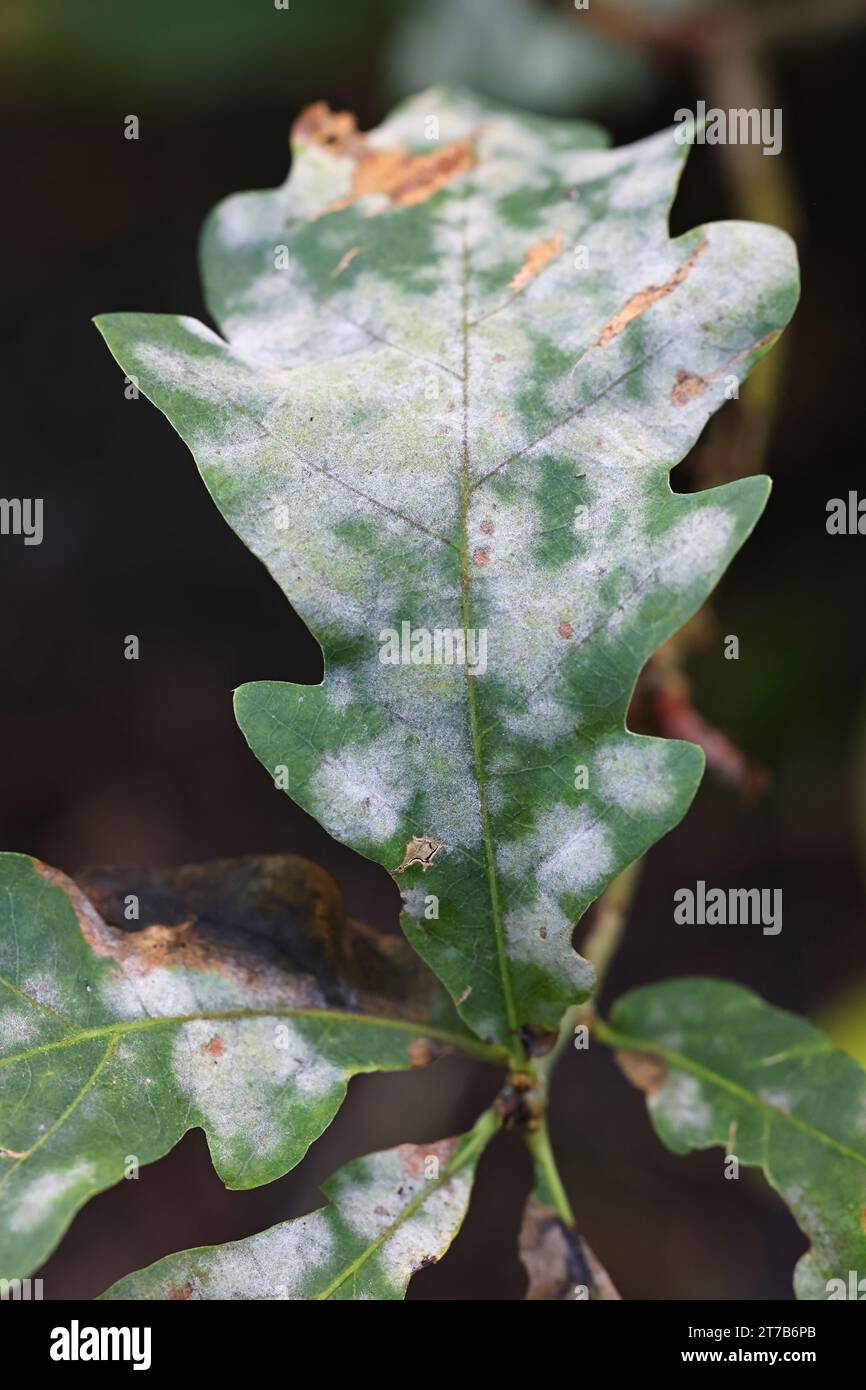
600 948
549 1188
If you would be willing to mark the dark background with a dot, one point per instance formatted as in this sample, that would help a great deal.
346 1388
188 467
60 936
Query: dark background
110 761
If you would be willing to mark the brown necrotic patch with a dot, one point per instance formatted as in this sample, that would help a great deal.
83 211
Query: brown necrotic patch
539 255
420 849
414 1157
274 926
406 179
643 1070
688 385
646 298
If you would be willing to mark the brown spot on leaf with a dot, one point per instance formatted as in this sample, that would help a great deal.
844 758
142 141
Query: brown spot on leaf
565 629
487 527
319 125
499 357
422 1052
687 386
414 1157
421 849
646 298
405 178
643 1070
539 255
178 1291
345 260
481 556
215 1048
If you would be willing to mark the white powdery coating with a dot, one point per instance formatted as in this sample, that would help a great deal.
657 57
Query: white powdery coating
413 903
35 1204
276 1264
362 791
681 1105
235 1090
427 1233
17 1027
540 934
338 689
371 1203
167 992
583 854
369 1206
200 330
223 380
526 603
45 990
544 719
582 857
778 1100
633 774
694 546
231 440
250 218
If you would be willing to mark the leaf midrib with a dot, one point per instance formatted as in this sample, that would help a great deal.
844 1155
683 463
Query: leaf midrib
484 1130
613 1038
488 1052
475 734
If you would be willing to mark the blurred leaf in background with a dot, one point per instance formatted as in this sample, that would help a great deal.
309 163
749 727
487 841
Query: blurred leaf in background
517 51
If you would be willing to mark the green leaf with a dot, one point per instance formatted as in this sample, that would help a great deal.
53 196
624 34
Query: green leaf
388 1214
721 1066
438 415
237 1010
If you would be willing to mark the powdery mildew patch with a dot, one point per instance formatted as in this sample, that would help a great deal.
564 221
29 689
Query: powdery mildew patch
232 1072
680 1105
393 391
633 773
35 1201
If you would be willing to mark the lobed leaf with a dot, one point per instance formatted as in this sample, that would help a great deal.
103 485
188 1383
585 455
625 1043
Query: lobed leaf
239 1009
430 407
720 1066
388 1215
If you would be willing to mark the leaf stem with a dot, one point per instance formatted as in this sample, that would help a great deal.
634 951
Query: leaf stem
549 1185
600 948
